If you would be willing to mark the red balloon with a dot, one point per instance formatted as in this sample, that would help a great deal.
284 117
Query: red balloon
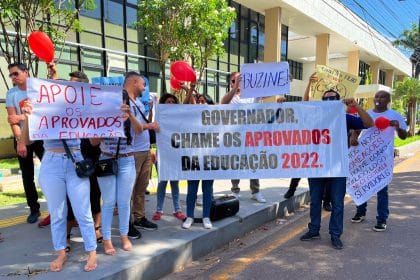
352 111
41 45
182 71
175 84
382 123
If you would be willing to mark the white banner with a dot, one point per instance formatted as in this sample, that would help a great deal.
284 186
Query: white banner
65 110
269 140
264 79
371 164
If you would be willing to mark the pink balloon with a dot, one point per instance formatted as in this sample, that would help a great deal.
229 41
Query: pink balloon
182 71
41 45
382 123
175 84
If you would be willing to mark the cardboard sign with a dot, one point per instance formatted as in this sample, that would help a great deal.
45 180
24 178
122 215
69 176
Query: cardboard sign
264 79
66 110
329 78
269 140
371 164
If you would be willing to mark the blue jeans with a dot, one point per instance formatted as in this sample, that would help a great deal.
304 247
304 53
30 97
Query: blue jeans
117 189
381 207
58 179
161 190
338 190
207 188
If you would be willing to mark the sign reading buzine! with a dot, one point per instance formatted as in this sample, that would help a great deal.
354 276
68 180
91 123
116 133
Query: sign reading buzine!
65 110
269 140
264 79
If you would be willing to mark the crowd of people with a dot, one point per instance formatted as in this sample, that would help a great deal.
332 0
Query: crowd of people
77 201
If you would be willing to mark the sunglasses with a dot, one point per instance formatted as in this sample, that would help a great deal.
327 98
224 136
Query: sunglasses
14 74
334 97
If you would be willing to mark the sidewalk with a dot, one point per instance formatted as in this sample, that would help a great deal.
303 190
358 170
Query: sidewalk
27 250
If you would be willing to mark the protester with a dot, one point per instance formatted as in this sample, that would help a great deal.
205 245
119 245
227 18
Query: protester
161 188
381 102
233 97
15 97
135 85
206 185
337 184
117 189
58 179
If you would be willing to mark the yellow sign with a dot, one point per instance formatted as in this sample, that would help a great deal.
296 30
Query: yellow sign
333 79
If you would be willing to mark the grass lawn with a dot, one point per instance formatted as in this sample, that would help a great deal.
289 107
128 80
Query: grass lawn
398 142
15 197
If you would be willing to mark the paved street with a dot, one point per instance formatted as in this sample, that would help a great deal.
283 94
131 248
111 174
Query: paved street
274 251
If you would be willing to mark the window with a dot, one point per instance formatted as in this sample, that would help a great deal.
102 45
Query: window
381 77
295 69
363 71
114 12
95 13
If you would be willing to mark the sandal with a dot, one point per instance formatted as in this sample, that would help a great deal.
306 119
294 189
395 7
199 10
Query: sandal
68 247
99 238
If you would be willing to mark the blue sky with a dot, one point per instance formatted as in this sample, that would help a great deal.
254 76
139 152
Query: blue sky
389 17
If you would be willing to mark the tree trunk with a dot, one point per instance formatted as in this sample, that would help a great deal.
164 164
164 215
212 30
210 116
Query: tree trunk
412 114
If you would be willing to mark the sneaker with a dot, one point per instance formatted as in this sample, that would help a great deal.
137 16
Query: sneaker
336 243
309 236
379 227
207 223
188 222
45 222
157 216
358 218
290 192
235 194
33 217
179 215
327 207
143 223
259 197
133 233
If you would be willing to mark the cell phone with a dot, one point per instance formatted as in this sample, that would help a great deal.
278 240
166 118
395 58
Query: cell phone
126 99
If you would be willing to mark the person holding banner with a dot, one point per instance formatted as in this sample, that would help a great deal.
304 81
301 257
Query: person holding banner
58 180
233 97
117 188
15 99
206 185
161 188
337 184
381 102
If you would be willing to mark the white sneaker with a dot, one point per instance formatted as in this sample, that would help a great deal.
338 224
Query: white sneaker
237 195
206 223
188 222
259 197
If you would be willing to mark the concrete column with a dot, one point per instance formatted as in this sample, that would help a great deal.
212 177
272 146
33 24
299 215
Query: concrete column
389 77
322 49
272 45
353 62
374 67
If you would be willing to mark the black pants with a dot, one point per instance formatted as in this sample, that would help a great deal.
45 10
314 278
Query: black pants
26 165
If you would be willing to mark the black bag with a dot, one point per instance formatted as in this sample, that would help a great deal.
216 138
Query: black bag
152 133
223 207
109 166
106 167
84 168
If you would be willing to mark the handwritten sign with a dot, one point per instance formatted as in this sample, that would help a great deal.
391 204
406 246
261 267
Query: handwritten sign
268 140
371 164
66 110
264 79
329 78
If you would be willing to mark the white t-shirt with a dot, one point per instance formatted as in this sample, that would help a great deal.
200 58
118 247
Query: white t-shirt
391 115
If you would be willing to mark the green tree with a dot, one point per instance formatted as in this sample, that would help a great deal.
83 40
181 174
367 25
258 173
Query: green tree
408 91
185 30
409 39
18 18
